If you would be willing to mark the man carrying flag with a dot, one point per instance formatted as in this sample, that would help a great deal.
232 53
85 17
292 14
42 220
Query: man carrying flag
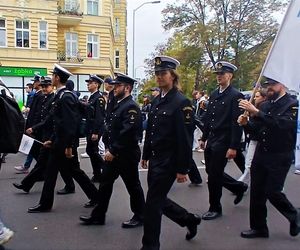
275 124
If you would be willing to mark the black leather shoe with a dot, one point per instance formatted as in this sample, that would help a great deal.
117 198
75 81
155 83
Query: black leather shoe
21 187
252 233
89 220
239 195
89 204
211 215
65 191
295 225
38 209
192 226
135 221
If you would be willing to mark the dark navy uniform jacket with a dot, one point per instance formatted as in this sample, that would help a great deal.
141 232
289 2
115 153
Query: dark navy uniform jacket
34 115
65 115
95 121
123 127
275 125
45 126
169 133
221 129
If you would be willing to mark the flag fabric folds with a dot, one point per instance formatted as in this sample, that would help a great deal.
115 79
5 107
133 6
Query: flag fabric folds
283 61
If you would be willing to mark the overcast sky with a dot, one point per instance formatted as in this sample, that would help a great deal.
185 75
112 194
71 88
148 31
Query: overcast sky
148 32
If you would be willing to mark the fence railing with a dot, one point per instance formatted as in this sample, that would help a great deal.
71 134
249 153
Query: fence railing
62 56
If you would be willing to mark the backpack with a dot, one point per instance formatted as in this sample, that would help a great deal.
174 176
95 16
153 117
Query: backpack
12 122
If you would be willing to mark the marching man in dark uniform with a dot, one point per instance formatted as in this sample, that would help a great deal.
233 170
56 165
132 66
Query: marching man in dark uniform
221 139
95 124
123 132
33 117
45 126
168 151
275 124
63 143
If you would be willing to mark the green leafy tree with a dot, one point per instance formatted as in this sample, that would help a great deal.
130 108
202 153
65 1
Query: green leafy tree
235 30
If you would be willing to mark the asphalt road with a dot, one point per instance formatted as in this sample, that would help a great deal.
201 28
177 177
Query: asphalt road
61 229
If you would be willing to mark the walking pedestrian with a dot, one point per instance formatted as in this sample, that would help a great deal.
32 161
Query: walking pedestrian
167 153
276 125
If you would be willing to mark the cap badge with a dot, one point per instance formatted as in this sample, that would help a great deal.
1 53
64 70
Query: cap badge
219 66
157 61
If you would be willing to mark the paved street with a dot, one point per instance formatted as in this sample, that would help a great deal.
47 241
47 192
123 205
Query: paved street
61 229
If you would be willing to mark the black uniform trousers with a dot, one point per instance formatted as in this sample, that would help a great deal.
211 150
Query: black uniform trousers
194 173
38 172
126 166
35 149
92 150
215 162
160 181
57 161
268 174
240 160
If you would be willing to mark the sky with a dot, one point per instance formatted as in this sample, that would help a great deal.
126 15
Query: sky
148 32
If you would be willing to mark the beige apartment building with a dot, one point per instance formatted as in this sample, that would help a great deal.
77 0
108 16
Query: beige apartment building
84 36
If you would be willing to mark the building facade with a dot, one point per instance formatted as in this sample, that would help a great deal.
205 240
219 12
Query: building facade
84 36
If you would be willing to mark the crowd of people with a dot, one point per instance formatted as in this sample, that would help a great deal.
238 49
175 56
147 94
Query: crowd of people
171 127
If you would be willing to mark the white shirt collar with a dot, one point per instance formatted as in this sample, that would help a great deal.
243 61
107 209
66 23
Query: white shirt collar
222 90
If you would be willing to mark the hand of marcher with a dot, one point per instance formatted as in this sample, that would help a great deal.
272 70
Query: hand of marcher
47 144
29 131
202 144
108 156
144 164
243 120
248 106
231 153
94 137
68 153
181 178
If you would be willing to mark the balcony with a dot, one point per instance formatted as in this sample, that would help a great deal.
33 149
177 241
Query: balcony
69 13
69 60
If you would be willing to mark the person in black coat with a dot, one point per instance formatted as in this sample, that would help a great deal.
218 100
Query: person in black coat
168 153
95 109
34 115
45 126
275 125
63 143
221 139
123 132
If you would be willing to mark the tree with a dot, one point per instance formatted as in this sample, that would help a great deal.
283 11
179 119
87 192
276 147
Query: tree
226 30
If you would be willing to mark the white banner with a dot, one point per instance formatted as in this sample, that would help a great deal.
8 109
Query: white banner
283 61
26 144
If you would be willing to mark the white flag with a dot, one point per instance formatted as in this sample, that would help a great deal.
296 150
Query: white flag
26 144
283 61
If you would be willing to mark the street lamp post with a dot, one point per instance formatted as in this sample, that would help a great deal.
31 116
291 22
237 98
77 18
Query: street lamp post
133 32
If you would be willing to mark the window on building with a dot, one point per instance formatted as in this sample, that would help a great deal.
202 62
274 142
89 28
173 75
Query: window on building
2 33
71 5
117 26
92 46
43 34
71 44
22 33
117 59
93 7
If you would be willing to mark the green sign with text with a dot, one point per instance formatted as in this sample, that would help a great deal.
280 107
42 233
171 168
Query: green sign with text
18 71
